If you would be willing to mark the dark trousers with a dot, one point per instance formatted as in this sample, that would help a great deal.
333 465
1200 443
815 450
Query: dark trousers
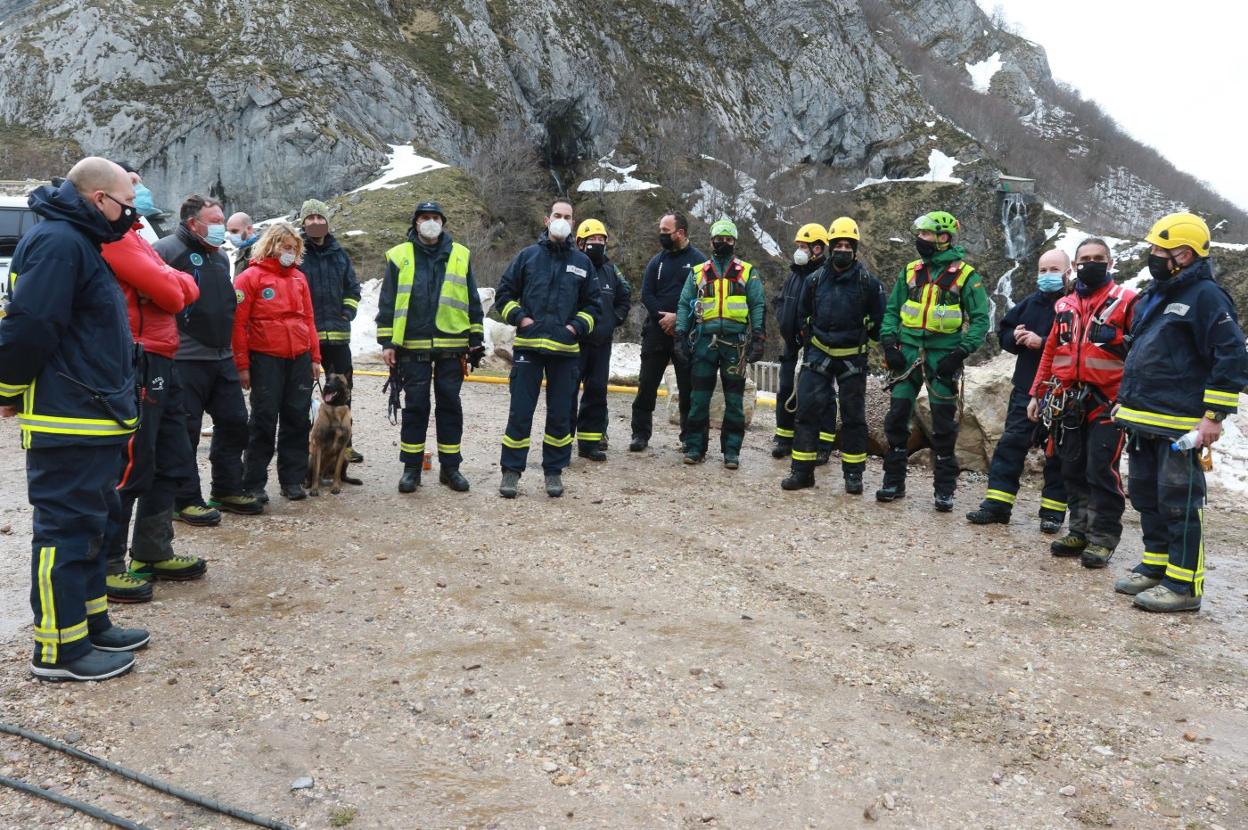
1008 459
1168 490
656 353
817 392
445 374
590 422
72 492
156 462
527 371
212 386
942 394
786 420
1089 457
336 358
281 393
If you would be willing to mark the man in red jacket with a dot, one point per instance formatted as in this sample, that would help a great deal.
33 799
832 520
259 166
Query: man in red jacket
158 457
1079 375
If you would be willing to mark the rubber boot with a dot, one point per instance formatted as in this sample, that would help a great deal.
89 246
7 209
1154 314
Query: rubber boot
798 480
894 486
410 479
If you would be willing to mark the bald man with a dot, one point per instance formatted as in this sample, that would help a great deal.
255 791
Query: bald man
1022 332
67 362
241 232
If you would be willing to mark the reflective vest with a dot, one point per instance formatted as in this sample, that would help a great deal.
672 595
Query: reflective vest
1088 338
723 297
935 306
452 315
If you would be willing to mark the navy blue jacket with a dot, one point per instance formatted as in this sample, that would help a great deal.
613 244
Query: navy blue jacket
789 302
661 284
551 282
428 274
334 288
614 294
66 354
1186 354
842 311
1035 312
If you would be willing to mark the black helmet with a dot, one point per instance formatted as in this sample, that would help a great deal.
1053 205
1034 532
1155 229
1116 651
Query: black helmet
428 207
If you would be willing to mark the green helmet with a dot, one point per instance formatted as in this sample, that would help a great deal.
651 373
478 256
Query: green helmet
724 227
938 221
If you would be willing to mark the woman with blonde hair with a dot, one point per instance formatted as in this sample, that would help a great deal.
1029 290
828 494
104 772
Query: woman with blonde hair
279 357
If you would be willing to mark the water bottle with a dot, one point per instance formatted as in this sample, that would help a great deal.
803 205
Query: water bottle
1188 442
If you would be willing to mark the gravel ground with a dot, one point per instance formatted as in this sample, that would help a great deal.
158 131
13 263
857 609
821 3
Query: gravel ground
663 647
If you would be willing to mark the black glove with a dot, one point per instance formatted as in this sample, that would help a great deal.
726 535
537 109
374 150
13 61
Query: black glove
475 355
894 359
951 364
682 347
756 349
1102 333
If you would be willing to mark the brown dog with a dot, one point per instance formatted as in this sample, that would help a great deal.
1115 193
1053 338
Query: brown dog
330 436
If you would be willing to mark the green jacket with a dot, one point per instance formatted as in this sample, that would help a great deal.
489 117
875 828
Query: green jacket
721 289
922 300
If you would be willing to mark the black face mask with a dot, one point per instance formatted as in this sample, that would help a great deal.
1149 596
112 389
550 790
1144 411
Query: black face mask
596 251
723 250
926 248
1092 274
666 241
1159 267
842 260
123 223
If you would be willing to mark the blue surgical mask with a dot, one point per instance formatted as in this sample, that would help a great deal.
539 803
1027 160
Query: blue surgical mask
1048 283
143 200
215 236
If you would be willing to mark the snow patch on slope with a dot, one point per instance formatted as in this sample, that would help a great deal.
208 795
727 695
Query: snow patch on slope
939 169
403 163
981 73
624 184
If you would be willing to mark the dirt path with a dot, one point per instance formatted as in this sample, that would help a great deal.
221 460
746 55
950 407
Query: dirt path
663 647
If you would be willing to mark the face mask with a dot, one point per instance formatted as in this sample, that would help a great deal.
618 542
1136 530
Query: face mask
125 221
143 200
926 248
801 257
723 250
1159 267
236 239
666 242
596 251
215 236
1048 283
316 230
1092 274
842 260
559 229
429 229
287 259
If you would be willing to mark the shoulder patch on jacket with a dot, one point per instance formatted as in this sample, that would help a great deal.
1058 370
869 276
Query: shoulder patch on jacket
580 272
197 260
268 293
1180 309
239 296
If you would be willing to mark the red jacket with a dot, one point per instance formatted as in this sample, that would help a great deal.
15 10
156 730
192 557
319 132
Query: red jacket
274 314
1085 345
155 293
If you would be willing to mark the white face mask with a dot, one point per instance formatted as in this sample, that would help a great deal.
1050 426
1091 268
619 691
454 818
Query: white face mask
287 260
559 229
801 257
429 229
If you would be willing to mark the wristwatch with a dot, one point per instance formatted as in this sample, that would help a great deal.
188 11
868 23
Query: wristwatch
1217 417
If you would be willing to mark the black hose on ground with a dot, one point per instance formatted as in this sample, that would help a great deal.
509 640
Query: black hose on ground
66 801
140 778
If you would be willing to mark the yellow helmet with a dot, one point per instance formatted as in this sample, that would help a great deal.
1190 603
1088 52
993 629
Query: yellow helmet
812 233
844 228
1178 229
591 227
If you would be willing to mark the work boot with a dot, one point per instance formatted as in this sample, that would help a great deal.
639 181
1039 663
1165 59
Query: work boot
1050 525
453 478
126 587
261 496
604 444
243 505
1133 583
593 453
293 492
115 639
94 665
798 481
693 457
198 515
781 448
822 456
354 457
890 492
1162 599
1096 556
943 502
637 444
732 462
410 479
554 485
1068 545
174 569
853 484
988 516
510 486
